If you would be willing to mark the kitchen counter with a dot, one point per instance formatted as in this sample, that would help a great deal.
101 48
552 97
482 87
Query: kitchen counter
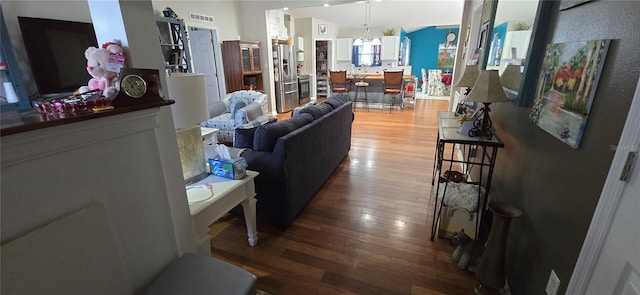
376 76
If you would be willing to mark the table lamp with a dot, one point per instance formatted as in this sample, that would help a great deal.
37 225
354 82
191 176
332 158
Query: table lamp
190 108
469 78
189 92
511 77
487 90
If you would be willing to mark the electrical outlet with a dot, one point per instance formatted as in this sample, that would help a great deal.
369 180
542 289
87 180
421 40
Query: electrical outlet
553 284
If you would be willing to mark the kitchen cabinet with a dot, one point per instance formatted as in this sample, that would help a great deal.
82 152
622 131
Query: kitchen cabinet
344 49
242 65
174 44
390 49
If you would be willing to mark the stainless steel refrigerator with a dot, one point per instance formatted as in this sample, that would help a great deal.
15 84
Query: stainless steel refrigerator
285 76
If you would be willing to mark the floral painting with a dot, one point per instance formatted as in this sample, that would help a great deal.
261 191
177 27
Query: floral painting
446 56
567 84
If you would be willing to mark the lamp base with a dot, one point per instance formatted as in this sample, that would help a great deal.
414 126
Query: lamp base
482 124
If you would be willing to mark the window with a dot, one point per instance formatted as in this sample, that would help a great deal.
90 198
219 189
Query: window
366 55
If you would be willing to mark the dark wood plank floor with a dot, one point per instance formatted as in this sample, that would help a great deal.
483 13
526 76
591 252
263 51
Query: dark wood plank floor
367 230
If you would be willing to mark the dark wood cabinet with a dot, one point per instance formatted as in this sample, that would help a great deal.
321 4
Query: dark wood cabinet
242 65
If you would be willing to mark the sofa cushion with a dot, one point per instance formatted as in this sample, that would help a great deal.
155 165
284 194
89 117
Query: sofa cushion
318 110
266 136
222 122
217 108
244 133
325 108
335 101
301 120
339 97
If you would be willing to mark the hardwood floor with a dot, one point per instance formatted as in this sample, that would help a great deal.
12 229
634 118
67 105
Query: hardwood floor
367 230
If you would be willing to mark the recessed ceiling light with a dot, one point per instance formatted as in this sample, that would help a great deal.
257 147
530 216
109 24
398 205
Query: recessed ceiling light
326 5
285 8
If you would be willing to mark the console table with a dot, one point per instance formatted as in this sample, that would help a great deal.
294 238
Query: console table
477 152
227 193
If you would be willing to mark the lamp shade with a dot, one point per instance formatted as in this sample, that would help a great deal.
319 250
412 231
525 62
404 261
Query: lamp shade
487 89
469 76
511 77
189 92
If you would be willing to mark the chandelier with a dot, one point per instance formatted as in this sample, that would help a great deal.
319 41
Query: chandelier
367 21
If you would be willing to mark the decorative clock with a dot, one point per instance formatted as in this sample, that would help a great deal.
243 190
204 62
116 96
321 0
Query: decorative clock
137 86
451 37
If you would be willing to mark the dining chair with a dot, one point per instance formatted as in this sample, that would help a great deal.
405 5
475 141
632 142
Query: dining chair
393 86
339 82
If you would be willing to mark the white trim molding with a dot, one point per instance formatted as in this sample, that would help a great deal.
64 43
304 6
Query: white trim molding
608 203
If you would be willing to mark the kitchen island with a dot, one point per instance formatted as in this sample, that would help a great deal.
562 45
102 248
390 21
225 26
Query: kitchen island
375 88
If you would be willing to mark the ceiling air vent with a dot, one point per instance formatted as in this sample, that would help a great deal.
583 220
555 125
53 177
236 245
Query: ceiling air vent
200 17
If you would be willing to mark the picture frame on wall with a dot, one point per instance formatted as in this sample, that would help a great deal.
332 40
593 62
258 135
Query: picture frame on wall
566 88
323 29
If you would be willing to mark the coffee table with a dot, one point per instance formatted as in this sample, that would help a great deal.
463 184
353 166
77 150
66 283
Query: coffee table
227 193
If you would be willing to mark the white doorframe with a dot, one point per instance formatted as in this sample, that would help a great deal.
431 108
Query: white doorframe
608 203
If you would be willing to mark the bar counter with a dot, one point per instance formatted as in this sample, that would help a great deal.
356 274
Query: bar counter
375 88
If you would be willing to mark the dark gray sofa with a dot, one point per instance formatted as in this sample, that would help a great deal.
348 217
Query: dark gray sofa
306 149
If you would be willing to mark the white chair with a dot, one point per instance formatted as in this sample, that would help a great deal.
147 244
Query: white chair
425 80
236 109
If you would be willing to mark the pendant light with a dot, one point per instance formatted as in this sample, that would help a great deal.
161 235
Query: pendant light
367 21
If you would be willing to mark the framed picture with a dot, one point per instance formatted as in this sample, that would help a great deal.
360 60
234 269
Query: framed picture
566 87
446 56
322 29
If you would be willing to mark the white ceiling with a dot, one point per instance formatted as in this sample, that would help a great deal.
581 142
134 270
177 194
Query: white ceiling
409 14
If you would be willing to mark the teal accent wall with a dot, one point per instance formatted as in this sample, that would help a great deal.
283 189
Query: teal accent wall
497 43
424 47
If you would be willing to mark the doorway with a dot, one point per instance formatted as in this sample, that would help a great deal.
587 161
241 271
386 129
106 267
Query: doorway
205 55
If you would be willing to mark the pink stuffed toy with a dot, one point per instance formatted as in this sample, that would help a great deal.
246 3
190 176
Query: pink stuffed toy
104 64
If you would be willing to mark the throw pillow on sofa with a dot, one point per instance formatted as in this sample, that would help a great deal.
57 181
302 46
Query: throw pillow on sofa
252 112
335 101
244 133
217 108
301 120
236 103
267 136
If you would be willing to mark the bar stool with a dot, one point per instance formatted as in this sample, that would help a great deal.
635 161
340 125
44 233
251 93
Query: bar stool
393 85
364 85
339 82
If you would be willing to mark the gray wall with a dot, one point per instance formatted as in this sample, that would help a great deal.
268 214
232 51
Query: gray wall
556 186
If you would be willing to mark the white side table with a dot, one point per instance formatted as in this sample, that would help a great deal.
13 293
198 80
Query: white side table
227 193
209 135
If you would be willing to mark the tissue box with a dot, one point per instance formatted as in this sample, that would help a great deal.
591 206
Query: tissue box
234 169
